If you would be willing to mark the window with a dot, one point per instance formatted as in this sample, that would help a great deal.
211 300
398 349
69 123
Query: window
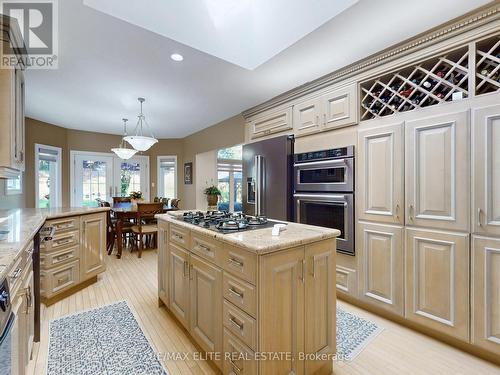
130 178
229 177
167 176
47 176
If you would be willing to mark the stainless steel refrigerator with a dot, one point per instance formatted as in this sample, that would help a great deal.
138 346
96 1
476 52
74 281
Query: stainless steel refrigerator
267 178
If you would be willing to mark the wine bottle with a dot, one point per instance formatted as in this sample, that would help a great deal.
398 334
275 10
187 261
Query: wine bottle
441 74
406 93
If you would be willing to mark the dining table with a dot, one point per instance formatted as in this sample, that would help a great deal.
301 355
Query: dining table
123 212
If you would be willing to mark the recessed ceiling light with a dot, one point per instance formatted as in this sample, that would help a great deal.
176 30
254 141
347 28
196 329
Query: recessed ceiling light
176 57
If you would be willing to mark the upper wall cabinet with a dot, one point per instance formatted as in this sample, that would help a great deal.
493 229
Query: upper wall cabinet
486 174
12 153
340 107
272 122
437 172
380 188
333 109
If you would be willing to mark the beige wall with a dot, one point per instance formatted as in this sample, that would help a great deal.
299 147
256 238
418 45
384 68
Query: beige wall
227 133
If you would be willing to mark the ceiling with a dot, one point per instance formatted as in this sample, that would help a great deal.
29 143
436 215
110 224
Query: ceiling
105 62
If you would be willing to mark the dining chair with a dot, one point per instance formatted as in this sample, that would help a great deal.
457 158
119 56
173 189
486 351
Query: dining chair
146 213
121 200
175 203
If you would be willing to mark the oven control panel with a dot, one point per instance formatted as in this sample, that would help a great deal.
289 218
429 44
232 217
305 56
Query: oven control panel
334 153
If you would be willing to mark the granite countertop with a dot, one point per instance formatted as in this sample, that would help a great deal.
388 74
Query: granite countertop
261 241
23 223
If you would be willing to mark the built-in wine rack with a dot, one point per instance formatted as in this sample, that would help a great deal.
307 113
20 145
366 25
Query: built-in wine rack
436 80
488 65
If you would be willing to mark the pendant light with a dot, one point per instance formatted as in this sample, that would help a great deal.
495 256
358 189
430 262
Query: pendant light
122 151
139 141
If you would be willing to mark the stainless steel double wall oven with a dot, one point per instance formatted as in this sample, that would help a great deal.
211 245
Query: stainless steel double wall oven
324 192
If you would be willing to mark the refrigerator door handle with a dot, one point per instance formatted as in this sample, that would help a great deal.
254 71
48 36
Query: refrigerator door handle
259 184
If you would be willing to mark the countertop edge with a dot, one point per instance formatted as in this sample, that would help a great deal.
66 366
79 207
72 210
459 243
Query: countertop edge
322 234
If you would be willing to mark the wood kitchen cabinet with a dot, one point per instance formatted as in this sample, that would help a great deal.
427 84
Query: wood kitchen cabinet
437 281
380 189
272 122
381 265
485 327
339 107
282 310
163 291
205 309
437 171
179 283
12 127
486 171
307 117
93 243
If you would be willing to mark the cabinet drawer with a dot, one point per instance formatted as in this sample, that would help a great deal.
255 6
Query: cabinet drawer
240 293
242 325
271 123
60 278
238 358
240 263
179 235
56 258
61 241
64 224
207 248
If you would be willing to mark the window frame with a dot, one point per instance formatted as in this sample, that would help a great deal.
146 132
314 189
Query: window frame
159 181
231 166
10 191
58 173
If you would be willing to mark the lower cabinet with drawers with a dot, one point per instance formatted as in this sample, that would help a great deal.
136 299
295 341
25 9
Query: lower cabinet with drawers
74 256
238 303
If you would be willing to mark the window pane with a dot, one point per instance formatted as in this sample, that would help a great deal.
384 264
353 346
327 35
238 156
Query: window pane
237 191
223 184
44 184
94 182
130 178
167 174
234 153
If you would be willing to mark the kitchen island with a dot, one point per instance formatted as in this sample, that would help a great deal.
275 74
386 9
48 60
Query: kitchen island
254 302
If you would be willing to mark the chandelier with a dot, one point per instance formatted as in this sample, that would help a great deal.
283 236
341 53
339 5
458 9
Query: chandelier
122 151
139 141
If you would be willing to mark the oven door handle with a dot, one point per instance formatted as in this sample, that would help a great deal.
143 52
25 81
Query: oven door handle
323 197
335 162
8 328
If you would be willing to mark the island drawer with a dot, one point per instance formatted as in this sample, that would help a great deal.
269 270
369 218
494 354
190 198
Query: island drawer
61 241
179 235
242 325
64 224
240 263
60 278
240 293
207 248
238 358
53 259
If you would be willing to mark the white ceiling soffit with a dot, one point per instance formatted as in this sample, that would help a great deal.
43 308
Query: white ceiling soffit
246 33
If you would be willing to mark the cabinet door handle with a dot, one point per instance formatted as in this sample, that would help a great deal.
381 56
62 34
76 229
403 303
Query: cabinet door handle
236 293
302 276
324 118
236 262
313 268
235 367
397 211
190 272
479 211
186 268
235 323
205 248
410 213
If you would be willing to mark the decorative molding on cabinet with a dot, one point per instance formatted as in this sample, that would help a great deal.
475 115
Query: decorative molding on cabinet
454 28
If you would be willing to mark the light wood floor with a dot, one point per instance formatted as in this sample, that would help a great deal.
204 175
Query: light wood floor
397 350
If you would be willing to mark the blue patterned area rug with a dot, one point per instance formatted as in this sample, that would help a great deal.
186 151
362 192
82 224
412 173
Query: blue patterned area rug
353 334
105 341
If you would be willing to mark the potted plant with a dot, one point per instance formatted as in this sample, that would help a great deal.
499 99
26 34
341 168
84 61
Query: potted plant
135 196
212 192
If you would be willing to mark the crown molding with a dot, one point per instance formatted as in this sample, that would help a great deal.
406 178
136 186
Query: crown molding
453 28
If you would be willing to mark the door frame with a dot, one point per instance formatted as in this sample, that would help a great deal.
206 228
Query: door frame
58 172
72 167
158 172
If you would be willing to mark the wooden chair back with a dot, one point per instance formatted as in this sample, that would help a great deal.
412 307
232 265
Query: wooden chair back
147 211
121 200
175 203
